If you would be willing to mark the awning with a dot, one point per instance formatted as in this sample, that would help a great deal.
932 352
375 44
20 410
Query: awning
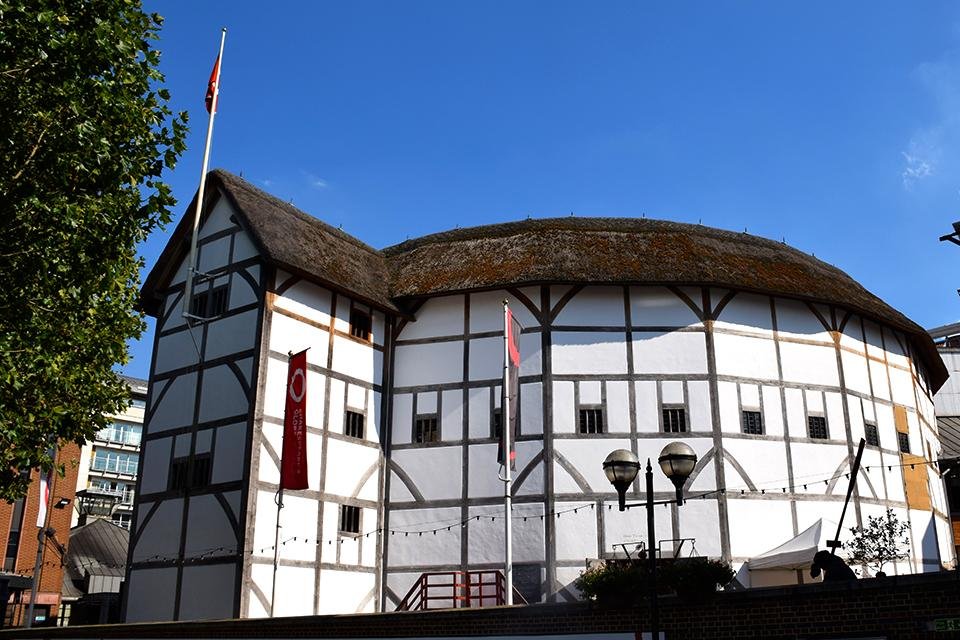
796 553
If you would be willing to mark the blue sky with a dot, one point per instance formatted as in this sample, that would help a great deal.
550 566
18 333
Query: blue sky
832 125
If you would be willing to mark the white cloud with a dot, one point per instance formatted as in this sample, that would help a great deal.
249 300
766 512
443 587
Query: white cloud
315 181
925 152
267 182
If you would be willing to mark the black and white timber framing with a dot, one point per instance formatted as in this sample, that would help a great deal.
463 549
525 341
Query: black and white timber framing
630 349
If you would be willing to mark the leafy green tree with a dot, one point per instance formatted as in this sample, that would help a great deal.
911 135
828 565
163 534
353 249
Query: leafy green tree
85 133
883 540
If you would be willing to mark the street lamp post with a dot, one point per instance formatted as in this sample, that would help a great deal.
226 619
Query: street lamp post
677 461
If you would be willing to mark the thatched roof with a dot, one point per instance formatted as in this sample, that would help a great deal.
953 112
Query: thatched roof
558 250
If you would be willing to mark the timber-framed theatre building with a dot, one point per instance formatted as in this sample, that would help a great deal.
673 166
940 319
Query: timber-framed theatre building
768 362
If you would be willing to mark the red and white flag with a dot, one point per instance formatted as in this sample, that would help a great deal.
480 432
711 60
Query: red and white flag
46 482
213 88
511 390
293 464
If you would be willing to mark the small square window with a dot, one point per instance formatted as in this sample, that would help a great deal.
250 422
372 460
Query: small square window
817 427
674 420
752 422
209 304
871 435
201 471
904 441
353 425
349 519
177 478
591 420
360 324
425 429
496 424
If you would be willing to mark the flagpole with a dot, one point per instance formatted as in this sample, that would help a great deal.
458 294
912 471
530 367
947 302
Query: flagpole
507 479
276 545
191 271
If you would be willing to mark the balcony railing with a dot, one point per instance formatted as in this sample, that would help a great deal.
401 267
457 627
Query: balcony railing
458 589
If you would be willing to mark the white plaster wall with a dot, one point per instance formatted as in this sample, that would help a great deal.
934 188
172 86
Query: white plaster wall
648 407
288 335
772 411
618 407
175 351
160 535
295 592
795 320
435 471
441 316
673 352
218 219
357 360
586 455
486 536
660 307
346 592
425 364
764 461
208 592
150 596
406 546
222 396
486 359
747 312
586 353
630 526
175 408
745 357
576 532
594 306
564 410
155 464
700 519
347 463
305 299
208 528
531 409
231 335
947 398
746 538
486 310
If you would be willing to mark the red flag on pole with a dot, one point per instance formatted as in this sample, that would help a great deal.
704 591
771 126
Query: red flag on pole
213 87
46 481
511 388
293 465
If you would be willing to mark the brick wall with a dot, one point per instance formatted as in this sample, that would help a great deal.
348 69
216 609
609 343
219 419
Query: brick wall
895 607
51 575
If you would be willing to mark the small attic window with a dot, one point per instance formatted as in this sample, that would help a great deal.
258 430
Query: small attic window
209 304
360 324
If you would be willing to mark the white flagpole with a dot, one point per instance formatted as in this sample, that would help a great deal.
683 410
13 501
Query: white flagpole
507 480
191 271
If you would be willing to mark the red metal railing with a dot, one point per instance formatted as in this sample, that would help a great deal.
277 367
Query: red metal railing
457 590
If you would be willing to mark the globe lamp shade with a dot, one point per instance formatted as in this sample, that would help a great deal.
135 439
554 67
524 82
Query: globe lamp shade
678 460
621 468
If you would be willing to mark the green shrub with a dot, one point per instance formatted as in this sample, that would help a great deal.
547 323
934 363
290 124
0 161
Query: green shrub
626 582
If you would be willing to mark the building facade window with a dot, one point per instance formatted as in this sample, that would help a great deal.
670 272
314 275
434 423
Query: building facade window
353 424
121 433
209 304
425 429
184 476
122 519
903 441
674 419
752 422
496 424
115 462
349 519
871 434
591 420
817 427
360 324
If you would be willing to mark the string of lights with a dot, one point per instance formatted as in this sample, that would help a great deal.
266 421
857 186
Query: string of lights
449 525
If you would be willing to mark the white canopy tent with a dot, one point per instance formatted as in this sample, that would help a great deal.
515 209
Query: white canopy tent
779 565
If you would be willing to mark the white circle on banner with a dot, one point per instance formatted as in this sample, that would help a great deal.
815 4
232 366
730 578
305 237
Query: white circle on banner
303 385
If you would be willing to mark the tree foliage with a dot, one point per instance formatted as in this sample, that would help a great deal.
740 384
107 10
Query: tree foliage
883 540
86 132
626 582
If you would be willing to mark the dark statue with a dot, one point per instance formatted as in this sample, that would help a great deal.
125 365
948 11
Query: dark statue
834 569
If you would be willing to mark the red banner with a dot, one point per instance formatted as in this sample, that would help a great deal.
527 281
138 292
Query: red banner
511 390
213 88
293 465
